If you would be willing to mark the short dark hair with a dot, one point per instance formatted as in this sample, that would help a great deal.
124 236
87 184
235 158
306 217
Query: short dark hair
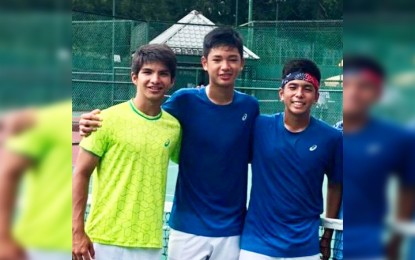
222 36
358 62
154 53
301 65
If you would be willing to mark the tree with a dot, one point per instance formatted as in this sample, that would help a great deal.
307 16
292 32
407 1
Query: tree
219 11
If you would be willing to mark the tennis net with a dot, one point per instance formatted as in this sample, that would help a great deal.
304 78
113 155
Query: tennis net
335 224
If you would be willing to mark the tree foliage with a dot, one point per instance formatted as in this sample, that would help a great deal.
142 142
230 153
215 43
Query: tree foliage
219 11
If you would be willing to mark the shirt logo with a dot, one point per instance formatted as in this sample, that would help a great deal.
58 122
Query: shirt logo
244 117
167 143
312 148
373 149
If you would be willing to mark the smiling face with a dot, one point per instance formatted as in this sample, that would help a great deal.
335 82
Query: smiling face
153 81
298 97
223 64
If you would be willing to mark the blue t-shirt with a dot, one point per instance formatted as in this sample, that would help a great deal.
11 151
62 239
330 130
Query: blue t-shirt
287 176
211 189
371 156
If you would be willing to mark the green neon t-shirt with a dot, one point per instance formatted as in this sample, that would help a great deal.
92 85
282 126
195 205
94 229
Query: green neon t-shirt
129 184
45 218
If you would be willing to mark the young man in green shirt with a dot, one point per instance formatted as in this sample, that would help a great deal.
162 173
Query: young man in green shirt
35 218
131 154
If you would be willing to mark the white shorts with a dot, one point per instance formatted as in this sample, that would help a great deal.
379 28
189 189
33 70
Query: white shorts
248 255
110 252
36 254
185 246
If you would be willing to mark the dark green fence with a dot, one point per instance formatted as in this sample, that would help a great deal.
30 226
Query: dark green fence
102 49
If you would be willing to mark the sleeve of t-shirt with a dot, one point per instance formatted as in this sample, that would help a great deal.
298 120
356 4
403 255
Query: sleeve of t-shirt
175 156
97 142
335 171
251 137
31 143
172 105
52 124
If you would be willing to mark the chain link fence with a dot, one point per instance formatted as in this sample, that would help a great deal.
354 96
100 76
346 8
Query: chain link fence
102 49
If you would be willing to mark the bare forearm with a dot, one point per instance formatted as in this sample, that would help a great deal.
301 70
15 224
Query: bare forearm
334 198
80 184
406 204
8 188
12 167
85 165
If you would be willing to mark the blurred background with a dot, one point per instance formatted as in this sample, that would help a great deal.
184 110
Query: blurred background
384 31
389 38
35 116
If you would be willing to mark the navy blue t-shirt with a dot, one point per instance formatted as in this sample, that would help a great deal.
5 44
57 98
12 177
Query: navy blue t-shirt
287 176
371 156
211 189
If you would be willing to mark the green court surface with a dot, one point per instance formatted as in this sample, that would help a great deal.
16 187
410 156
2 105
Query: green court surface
171 181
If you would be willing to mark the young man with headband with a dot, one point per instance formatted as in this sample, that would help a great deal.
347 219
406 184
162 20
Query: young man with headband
210 198
291 153
131 153
374 150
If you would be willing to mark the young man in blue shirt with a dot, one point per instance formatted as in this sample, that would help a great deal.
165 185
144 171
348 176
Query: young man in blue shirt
374 150
291 153
210 199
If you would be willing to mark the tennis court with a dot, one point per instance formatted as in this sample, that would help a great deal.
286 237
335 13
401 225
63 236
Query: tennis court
100 82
